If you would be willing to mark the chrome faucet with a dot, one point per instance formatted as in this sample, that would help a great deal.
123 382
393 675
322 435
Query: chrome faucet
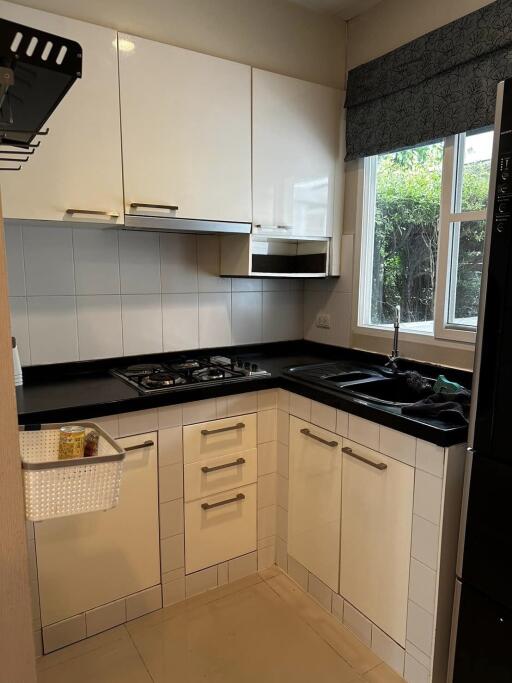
394 355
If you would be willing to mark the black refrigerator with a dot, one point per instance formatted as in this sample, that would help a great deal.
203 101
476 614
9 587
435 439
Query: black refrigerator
481 646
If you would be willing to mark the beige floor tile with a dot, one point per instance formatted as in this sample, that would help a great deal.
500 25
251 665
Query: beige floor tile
338 636
116 662
249 636
382 674
105 639
175 611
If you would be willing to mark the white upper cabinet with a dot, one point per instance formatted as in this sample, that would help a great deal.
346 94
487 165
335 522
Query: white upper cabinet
186 128
296 128
78 164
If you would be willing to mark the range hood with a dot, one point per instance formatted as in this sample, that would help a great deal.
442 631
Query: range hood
163 218
36 70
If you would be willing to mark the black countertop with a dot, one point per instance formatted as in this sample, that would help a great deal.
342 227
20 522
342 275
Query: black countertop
77 391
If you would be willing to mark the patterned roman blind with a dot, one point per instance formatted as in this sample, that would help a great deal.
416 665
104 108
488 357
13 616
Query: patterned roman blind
438 85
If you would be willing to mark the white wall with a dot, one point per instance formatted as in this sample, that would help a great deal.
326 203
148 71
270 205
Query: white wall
82 293
269 34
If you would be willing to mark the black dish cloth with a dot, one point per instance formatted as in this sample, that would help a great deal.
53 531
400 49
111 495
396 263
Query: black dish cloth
453 408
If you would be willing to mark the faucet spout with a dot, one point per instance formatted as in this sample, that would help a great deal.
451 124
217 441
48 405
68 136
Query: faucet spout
394 355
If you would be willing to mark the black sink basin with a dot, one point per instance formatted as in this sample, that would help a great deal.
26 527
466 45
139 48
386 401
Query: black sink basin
385 390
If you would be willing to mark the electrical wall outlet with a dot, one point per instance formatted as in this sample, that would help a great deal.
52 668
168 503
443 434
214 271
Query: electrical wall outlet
323 320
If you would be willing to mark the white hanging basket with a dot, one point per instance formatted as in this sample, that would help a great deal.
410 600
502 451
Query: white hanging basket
58 488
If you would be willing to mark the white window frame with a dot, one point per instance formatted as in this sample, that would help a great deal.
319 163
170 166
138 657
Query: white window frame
443 333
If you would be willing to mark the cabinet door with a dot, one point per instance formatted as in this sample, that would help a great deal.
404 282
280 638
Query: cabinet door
376 524
78 164
296 128
186 124
314 504
88 560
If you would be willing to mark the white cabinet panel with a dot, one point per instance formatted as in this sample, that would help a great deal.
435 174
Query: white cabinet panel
78 165
296 127
89 560
216 438
214 475
225 529
186 124
314 500
376 524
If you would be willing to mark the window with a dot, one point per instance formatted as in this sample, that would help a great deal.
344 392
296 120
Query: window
423 236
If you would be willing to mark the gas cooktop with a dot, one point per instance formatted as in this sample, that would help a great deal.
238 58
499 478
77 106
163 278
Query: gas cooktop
152 378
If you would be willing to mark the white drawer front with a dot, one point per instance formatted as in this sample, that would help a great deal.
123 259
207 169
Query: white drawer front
219 437
219 533
206 477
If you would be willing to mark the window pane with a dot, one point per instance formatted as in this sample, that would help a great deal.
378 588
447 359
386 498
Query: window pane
465 273
475 171
407 206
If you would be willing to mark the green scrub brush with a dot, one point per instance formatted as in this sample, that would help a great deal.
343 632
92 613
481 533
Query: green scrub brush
444 386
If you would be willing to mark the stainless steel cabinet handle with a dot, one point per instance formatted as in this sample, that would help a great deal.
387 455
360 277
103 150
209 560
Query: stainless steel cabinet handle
238 461
377 465
139 205
206 432
108 214
306 432
138 446
236 499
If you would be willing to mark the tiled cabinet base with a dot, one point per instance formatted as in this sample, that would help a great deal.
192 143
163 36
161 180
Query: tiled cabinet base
434 517
438 475
258 409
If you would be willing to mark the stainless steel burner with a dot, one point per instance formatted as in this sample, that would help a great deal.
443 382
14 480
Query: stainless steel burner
209 374
183 373
158 380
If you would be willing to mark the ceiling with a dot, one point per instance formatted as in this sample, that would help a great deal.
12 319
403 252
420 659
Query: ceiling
344 9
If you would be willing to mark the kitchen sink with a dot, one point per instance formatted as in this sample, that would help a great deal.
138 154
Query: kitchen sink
385 390
369 383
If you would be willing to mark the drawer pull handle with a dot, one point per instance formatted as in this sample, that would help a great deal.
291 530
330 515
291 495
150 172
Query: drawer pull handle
108 214
206 432
208 506
306 432
138 446
238 461
138 205
377 465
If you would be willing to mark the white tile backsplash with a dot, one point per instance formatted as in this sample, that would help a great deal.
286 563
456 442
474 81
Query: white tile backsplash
48 255
208 261
100 333
19 326
96 261
180 321
139 257
247 317
87 292
282 315
214 319
53 329
14 251
142 323
178 254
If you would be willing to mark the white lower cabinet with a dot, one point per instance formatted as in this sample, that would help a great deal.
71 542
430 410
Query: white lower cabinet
220 527
314 500
220 476
89 560
376 525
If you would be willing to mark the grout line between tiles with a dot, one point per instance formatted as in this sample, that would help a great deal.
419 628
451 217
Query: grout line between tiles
139 653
